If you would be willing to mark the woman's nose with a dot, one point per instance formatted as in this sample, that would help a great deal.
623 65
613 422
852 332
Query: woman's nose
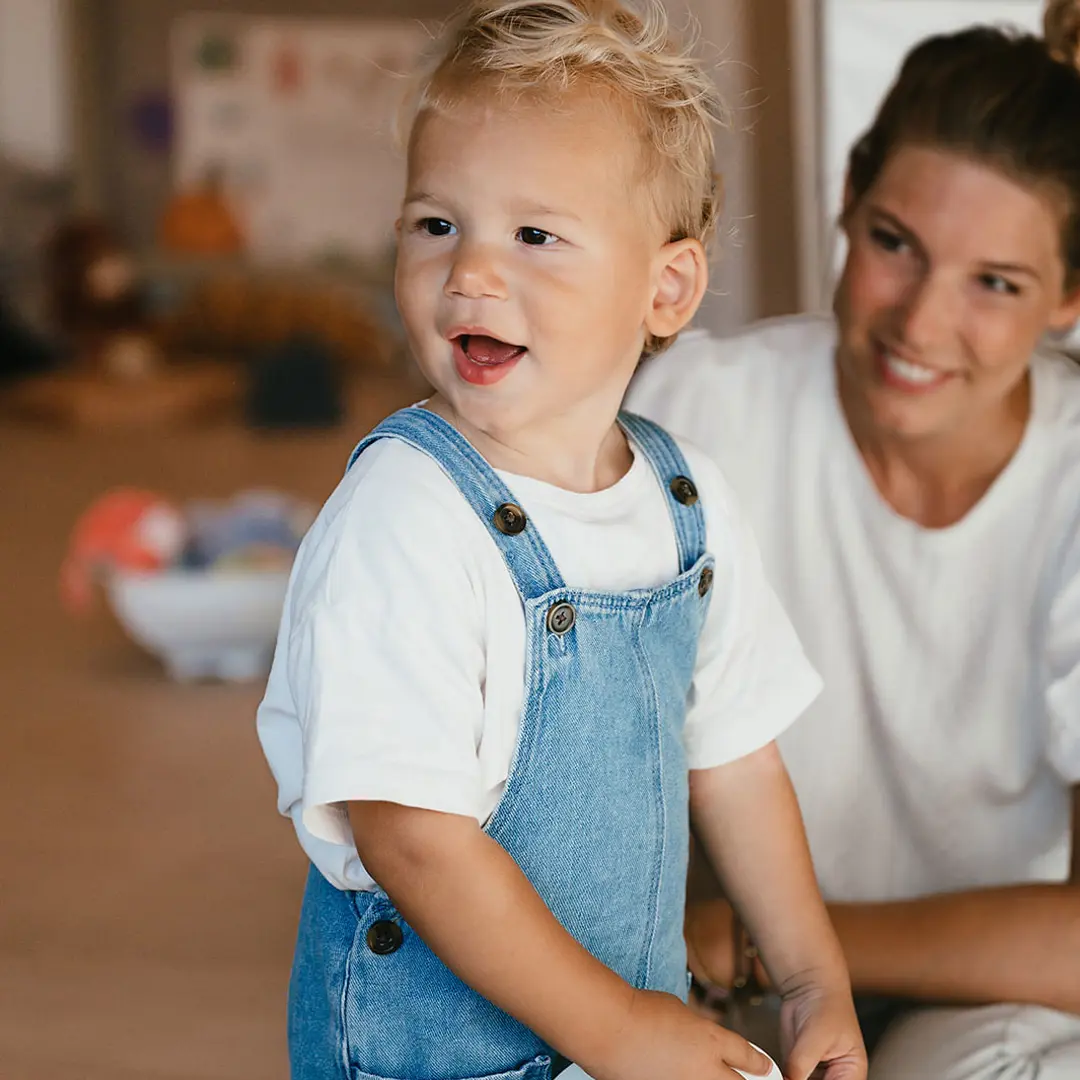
927 314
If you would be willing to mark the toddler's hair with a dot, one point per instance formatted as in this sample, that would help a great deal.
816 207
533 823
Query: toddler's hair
543 47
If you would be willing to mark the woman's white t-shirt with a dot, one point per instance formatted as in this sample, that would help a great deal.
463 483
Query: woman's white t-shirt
400 665
941 753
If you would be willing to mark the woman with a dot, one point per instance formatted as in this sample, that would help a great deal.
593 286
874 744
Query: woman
912 468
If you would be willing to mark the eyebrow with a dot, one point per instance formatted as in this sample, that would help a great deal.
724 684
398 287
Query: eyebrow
419 196
993 267
527 207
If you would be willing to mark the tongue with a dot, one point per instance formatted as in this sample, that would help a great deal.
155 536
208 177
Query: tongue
481 349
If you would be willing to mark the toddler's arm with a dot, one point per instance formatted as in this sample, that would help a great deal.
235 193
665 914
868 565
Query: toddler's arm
747 819
476 910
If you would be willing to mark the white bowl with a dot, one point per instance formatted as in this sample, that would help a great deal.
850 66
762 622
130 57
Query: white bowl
203 623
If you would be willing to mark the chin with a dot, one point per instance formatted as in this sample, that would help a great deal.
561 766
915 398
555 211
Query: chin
907 420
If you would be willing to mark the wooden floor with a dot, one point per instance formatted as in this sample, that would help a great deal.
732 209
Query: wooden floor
148 891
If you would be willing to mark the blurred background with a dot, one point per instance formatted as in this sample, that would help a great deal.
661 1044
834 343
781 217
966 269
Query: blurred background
196 326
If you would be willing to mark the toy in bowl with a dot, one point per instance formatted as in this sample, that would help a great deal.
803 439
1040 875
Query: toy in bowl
203 595
202 625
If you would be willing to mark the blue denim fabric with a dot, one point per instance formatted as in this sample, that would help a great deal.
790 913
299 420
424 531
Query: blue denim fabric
594 812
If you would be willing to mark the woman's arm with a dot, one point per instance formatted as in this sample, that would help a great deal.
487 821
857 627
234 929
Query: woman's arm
1019 944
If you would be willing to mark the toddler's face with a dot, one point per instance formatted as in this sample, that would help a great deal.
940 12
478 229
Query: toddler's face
528 260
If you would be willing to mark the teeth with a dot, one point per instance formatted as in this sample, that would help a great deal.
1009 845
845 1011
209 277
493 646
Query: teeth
914 373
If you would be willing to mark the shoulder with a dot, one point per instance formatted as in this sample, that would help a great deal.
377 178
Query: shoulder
726 524
758 349
1057 414
394 513
719 390
1058 391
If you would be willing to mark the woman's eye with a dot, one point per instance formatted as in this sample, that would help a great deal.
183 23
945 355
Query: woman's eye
535 237
887 240
434 226
997 284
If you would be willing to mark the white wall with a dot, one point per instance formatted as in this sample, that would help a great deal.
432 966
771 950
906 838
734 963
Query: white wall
34 125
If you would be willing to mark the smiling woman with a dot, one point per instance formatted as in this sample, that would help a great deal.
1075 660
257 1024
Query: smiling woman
912 469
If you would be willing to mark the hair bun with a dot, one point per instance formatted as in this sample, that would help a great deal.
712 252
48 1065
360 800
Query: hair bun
1061 30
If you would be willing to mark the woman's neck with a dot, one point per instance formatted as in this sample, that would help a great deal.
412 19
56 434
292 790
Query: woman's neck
936 480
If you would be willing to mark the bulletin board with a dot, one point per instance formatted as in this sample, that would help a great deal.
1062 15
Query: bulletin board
298 117
860 46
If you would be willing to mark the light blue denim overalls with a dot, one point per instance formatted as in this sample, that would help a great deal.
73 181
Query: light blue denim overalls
594 811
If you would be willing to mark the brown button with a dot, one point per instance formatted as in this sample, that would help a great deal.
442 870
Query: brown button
384 937
510 519
682 487
561 617
705 581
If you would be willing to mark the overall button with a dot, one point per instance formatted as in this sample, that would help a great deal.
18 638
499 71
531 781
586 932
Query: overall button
561 617
510 519
384 937
705 581
682 487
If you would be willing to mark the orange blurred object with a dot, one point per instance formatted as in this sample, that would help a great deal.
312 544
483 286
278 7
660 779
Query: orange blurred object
200 221
127 529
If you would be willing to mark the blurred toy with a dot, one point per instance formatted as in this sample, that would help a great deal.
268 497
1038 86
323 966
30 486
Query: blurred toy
255 530
297 384
127 529
244 312
200 221
22 352
96 301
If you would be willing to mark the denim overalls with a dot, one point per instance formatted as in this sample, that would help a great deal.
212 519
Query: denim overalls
594 811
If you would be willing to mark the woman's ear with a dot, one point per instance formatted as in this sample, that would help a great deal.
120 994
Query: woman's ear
1065 315
681 278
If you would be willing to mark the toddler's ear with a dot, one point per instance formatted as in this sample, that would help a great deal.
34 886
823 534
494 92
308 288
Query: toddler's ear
682 275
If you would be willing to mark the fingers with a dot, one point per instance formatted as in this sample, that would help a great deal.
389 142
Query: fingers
803 1061
808 1063
739 1054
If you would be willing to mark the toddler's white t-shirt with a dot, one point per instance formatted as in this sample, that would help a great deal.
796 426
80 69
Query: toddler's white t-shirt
400 664
940 754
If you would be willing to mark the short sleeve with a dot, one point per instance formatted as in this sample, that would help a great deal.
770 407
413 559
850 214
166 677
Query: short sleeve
752 678
386 653
1063 669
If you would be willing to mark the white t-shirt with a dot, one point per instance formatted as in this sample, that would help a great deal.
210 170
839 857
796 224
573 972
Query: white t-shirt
400 665
941 752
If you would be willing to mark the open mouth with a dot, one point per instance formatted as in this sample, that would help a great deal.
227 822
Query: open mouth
483 359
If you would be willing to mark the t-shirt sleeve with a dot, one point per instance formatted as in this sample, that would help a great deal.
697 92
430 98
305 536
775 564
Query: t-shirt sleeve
386 655
752 679
1063 669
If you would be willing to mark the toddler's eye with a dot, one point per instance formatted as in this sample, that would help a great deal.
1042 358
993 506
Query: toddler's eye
535 237
434 226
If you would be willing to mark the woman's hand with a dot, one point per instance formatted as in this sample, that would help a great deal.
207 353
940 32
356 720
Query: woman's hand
710 944
819 1028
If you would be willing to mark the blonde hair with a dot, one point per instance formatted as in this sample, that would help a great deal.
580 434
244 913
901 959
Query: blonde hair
542 47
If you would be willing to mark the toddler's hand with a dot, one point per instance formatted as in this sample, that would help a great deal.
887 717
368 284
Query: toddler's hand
823 1032
665 1039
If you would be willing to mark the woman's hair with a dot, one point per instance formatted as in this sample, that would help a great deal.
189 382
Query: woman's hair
999 97
545 48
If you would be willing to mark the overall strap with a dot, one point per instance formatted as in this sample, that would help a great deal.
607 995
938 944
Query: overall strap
521 546
672 471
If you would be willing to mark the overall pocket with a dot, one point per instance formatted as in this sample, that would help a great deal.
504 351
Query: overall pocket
537 1069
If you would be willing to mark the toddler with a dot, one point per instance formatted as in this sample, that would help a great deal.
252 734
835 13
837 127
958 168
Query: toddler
529 639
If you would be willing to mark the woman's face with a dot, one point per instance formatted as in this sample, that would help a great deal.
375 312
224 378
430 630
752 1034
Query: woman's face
954 272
